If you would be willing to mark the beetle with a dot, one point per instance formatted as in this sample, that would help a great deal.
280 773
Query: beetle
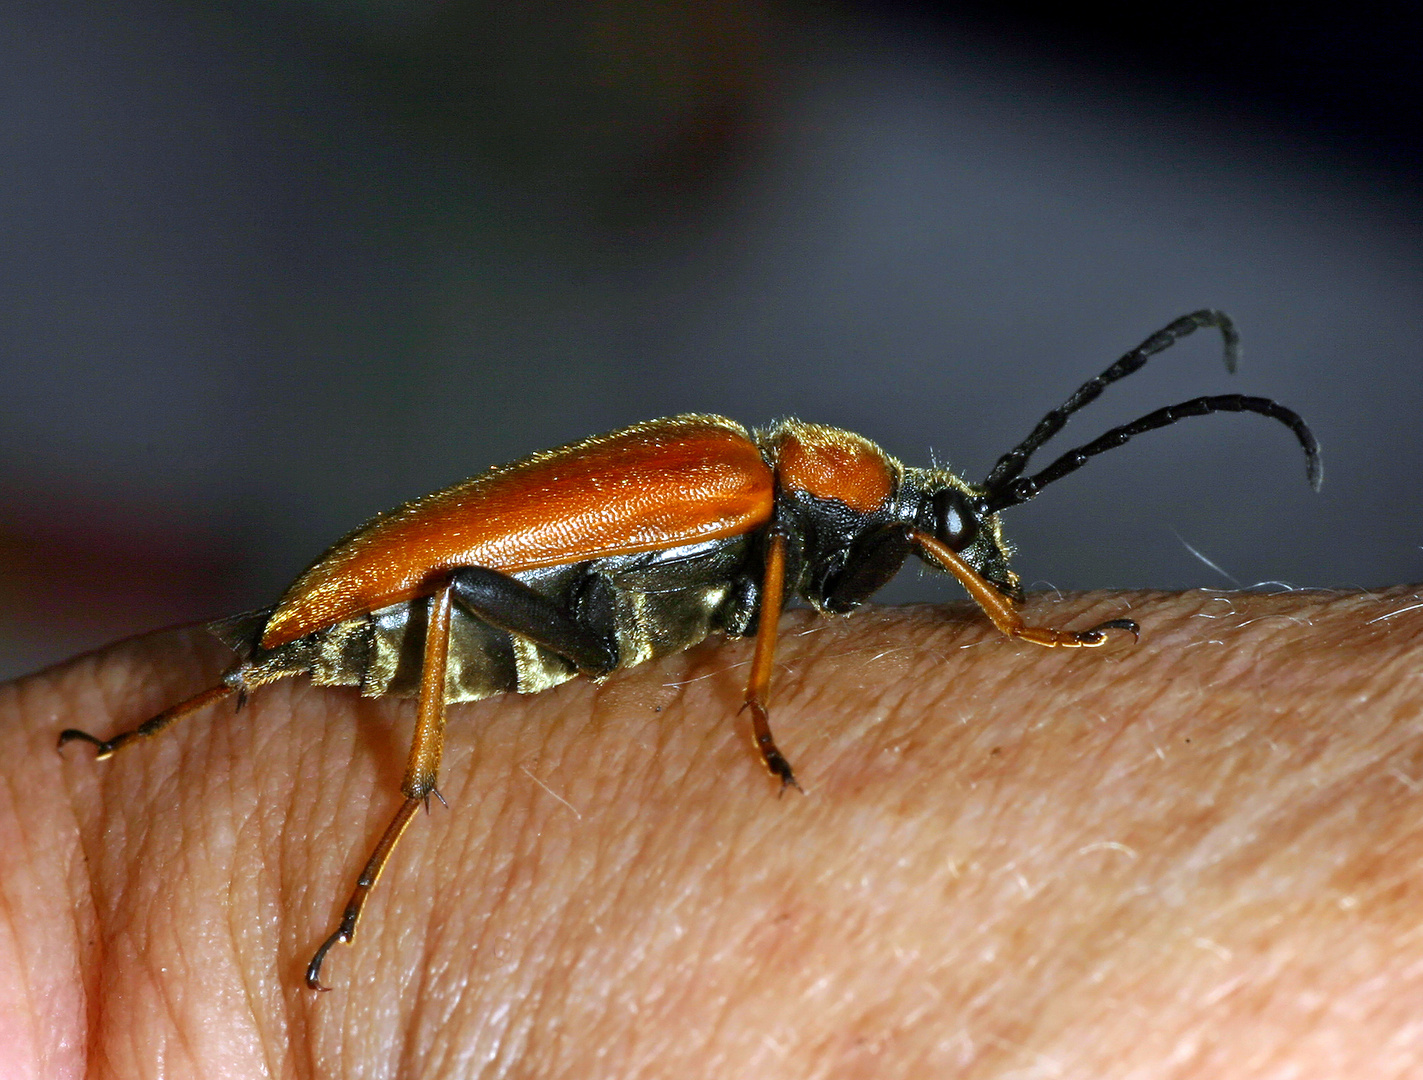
612 551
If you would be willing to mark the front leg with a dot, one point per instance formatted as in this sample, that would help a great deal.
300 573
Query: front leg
1000 609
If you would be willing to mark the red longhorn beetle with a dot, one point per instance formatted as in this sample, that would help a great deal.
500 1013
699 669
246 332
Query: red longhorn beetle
628 546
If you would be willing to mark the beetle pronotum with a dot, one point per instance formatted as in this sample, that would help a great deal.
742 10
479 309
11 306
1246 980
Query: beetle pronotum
608 552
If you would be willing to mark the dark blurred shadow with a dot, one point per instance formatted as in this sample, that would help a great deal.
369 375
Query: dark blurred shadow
268 269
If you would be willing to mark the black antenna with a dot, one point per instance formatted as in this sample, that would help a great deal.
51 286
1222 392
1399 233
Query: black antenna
1003 488
1021 490
1011 465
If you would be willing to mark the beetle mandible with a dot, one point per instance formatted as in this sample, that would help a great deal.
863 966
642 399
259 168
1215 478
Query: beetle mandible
627 546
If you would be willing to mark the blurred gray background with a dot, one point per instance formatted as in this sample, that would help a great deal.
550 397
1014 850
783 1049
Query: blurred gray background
271 268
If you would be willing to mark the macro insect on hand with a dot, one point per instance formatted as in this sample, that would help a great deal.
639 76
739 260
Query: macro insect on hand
608 552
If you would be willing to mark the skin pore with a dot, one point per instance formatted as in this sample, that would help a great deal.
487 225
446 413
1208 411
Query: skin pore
1194 856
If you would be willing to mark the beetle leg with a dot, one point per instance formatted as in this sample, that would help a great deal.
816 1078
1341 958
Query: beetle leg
509 604
152 727
1000 609
758 687
422 770
421 773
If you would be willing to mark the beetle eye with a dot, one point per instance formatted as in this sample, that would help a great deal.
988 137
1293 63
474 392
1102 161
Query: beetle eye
954 522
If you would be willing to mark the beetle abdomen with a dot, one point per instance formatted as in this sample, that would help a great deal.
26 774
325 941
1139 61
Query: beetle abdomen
652 604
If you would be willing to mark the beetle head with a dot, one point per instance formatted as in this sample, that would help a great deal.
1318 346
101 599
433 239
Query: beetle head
958 515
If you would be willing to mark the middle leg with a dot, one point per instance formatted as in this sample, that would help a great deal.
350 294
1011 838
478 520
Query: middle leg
763 660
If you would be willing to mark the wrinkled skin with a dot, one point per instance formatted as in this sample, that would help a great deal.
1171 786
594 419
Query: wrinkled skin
1196 856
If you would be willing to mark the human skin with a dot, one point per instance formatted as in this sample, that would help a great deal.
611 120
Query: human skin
1196 855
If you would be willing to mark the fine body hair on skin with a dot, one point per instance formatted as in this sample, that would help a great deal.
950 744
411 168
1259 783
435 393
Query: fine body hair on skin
1195 856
